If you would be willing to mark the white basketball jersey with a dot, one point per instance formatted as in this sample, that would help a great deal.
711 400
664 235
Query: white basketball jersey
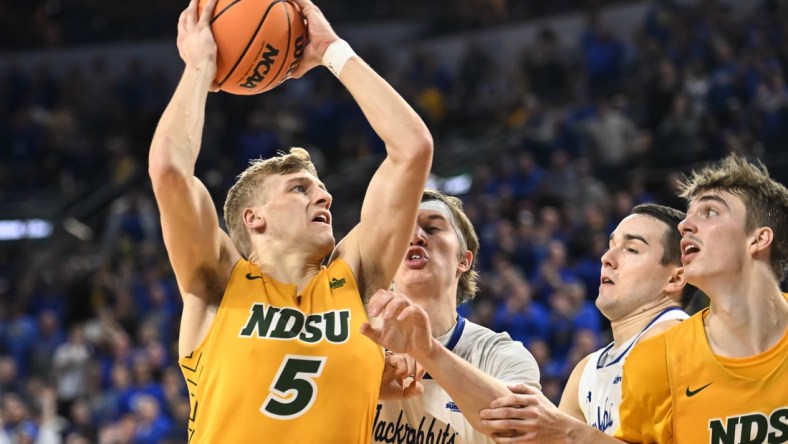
433 417
599 391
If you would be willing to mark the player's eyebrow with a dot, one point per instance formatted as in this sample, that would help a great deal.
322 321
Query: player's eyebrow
436 216
302 179
629 237
433 217
712 197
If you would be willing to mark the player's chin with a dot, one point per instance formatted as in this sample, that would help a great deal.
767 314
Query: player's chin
326 242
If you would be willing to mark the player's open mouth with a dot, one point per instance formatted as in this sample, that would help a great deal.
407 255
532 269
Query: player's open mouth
416 257
322 217
688 250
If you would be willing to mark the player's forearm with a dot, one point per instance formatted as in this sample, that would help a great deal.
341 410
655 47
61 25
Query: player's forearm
582 433
176 142
470 388
405 134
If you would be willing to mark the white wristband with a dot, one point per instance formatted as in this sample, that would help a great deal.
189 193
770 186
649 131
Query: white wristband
336 55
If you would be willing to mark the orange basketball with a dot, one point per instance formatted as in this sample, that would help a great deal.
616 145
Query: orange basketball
259 43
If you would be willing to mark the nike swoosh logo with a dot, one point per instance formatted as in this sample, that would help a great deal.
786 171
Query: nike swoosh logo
691 393
251 278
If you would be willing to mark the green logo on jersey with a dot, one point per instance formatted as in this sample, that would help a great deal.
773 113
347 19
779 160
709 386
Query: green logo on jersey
288 323
336 283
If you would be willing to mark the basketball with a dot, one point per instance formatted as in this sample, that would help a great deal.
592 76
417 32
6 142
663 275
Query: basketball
259 43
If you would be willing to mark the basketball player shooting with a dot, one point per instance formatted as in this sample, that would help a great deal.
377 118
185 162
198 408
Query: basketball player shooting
269 341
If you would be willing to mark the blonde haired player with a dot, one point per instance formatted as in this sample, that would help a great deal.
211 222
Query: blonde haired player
719 377
468 364
269 342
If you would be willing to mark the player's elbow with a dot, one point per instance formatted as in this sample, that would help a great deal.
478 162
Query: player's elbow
163 171
420 150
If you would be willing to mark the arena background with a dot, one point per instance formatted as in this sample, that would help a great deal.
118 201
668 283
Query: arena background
551 120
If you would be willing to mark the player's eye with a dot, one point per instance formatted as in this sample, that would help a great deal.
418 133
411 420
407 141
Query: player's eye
709 211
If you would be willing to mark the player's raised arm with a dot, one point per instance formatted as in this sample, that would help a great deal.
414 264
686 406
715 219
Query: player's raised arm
200 252
388 214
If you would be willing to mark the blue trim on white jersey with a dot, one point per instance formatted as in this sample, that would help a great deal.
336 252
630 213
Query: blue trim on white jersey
455 336
624 353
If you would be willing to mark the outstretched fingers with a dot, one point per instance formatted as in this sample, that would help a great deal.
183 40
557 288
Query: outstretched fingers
420 372
512 400
207 11
190 15
503 415
409 309
371 332
182 23
378 302
415 388
388 305
303 4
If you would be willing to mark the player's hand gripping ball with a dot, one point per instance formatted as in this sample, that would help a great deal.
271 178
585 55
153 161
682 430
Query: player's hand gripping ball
259 43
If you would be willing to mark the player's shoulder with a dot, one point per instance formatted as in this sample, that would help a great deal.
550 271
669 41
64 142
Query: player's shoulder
685 330
646 351
488 344
588 358
498 355
484 337
645 371
583 366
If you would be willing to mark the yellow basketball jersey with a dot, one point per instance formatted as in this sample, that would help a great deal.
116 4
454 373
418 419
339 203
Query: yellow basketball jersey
276 367
677 391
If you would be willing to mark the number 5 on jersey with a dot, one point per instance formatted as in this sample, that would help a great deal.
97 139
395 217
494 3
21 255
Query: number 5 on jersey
293 390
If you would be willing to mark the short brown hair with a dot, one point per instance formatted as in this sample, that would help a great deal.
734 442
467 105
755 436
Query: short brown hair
467 287
246 190
671 240
765 200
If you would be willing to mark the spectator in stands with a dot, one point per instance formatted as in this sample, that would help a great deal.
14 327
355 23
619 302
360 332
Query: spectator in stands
70 364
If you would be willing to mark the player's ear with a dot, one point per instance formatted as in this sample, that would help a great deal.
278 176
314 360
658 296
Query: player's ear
762 239
466 260
676 280
254 220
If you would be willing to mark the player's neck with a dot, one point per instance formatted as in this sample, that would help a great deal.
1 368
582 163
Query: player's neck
439 304
295 267
748 315
627 327
443 322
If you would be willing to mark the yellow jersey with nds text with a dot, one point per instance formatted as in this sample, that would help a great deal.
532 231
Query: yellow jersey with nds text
280 367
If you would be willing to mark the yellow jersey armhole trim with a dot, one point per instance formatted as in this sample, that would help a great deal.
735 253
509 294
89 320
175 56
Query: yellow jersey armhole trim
202 342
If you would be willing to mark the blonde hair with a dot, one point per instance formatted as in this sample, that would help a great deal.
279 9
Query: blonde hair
765 200
249 189
467 287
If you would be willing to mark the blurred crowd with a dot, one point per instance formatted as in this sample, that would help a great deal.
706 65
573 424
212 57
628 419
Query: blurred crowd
57 23
583 131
